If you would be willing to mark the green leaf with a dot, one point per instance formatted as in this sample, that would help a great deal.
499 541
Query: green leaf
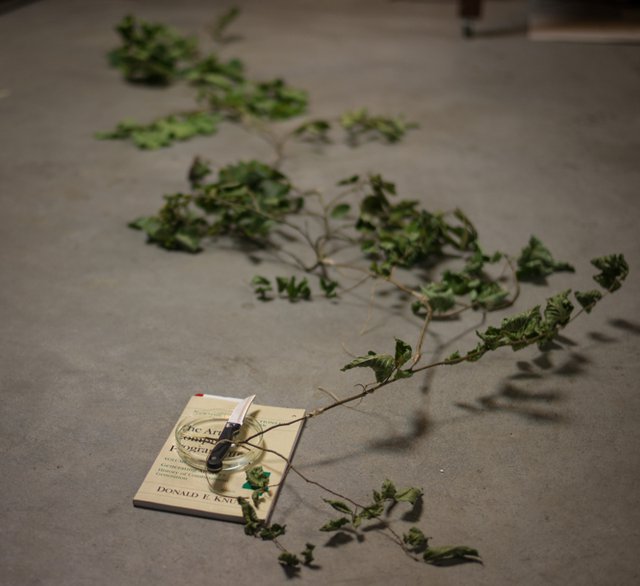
403 353
418 308
260 280
307 554
272 531
299 290
536 262
388 490
438 555
526 328
402 374
257 477
210 74
349 180
292 289
403 235
557 313
256 497
252 525
151 53
408 495
517 331
360 125
440 296
149 225
340 211
335 524
261 287
339 506
588 299
246 201
283 284
613 270
415 539
176 226
329 287
272 100
222 23
314 131
453 358
489 295
381 186
162 132
382 365
289 559
526 323
198 171
372 511
227 91
189 241
382 269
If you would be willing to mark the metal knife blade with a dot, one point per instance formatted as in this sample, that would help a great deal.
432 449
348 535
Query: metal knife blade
231 428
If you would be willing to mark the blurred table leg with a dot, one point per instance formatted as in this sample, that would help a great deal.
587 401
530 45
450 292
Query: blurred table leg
469 11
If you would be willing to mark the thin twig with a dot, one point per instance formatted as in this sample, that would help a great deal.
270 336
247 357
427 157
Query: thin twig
423 331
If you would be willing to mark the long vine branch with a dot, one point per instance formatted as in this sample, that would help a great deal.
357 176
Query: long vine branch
432 258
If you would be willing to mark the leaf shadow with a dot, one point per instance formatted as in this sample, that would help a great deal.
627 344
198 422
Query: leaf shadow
379 526
291 571
626 325
420 426
440 347
562 339
286 236
343 537
601 338
456 562
537 281
343 456
415 513
295 571
574 365
524 366
526 376
543 361
7 7
512 399
515 394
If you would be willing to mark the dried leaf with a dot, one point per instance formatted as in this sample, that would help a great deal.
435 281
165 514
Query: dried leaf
613 270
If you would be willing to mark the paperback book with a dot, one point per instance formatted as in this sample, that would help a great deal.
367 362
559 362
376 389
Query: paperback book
178 480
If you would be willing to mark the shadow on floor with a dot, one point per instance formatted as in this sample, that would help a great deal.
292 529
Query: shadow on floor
531 405
10 5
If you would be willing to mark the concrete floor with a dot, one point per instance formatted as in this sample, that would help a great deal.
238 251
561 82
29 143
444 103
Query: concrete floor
105 338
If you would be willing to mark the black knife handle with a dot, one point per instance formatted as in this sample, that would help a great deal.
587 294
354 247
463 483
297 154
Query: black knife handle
214 461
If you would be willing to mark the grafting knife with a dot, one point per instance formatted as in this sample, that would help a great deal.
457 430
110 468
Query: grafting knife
231 428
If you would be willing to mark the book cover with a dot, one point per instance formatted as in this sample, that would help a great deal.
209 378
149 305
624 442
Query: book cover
175 483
